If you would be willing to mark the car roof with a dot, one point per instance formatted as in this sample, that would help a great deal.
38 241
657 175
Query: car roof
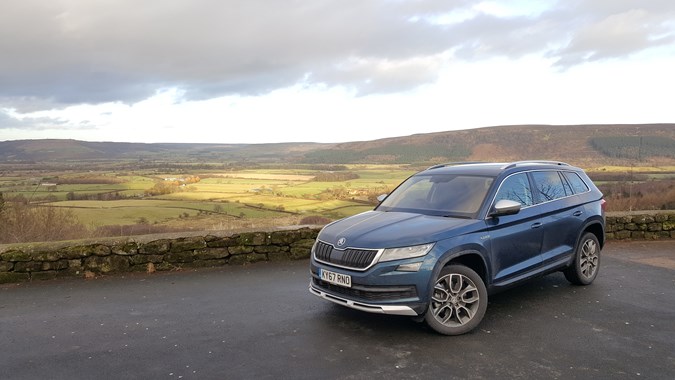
493 169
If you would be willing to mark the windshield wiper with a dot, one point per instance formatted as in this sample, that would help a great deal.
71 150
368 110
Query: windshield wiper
456 216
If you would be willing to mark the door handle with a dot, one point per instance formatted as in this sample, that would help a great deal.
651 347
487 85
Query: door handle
578 213
536 225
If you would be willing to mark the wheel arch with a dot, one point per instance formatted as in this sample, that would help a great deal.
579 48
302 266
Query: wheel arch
596 228
469 257
474 261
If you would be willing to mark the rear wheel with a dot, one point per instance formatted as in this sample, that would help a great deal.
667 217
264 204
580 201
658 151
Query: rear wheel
586 263
458 301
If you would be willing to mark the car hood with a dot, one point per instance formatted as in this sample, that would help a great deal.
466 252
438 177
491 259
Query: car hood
378 229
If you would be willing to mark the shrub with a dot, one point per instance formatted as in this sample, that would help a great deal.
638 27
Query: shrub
335 176
163 188
648 195
133 229
314 219
20 222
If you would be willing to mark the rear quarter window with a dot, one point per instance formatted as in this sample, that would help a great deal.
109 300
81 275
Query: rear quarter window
578 184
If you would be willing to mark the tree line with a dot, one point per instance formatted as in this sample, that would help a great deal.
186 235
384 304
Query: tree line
634 147
394 153
335 176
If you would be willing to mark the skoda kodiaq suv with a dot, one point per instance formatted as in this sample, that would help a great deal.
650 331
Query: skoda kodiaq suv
446 237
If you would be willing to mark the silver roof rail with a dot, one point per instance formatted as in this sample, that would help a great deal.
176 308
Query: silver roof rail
455 164
543 162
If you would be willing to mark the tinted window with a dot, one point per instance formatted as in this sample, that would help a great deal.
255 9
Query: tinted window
566 184
576 182
516 188
549 186
439 194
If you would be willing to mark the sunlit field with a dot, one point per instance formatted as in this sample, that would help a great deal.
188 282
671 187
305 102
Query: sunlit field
210 199
106 203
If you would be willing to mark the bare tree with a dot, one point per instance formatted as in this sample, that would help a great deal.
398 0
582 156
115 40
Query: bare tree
28 223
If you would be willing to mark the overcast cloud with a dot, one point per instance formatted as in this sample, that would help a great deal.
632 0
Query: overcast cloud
61 53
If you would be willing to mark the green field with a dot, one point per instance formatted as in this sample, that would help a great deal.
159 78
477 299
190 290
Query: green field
258 197
235 196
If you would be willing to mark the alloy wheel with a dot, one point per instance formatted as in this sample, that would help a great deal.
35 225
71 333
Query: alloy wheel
589 258
455 300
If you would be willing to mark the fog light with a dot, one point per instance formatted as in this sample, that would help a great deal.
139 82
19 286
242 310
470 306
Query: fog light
412 267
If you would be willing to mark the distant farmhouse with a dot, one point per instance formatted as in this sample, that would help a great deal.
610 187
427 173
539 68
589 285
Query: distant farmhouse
50 186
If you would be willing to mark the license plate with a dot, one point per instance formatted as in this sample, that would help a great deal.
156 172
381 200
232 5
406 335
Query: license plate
336 278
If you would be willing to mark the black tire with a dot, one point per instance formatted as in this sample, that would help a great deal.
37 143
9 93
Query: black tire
586 264
458 301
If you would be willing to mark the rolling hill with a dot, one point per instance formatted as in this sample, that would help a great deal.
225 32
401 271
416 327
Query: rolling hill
578 144
584 145
74 150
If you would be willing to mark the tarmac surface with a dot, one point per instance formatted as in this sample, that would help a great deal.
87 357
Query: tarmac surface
259 321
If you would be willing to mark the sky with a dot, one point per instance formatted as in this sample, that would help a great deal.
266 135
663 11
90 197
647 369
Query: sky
267 71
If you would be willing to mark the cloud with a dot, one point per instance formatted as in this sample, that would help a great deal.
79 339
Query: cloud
9 119
615 29
79 51
376 76
487 36
71 52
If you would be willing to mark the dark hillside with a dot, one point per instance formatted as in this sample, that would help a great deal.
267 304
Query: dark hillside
572 143
584 145
74 150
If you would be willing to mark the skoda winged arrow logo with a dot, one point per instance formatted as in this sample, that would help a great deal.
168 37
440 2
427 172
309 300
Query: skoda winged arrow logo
341 241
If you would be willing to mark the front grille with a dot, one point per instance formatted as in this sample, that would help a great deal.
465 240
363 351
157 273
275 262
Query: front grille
351 258
367 293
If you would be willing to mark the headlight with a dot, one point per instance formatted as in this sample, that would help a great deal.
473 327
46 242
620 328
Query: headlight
390 254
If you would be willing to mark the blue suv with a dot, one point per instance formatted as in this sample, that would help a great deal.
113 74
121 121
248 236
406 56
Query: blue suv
448 236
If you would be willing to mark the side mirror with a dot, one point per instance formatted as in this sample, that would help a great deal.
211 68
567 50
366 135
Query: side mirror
505 207
381 197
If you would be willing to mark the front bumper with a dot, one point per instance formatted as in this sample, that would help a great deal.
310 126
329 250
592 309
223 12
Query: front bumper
381 309
381 289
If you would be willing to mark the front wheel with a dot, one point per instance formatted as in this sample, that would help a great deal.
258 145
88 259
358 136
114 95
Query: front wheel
586 263
458 301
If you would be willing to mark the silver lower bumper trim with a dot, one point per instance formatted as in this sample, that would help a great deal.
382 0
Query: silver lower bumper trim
380 309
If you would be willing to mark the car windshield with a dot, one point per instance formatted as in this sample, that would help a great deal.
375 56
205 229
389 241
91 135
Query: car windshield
440 195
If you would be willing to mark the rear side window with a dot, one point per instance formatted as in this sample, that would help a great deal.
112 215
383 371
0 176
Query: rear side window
549 185
516 188
578 185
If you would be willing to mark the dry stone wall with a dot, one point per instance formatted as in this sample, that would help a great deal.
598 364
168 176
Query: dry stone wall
25 262
660 225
